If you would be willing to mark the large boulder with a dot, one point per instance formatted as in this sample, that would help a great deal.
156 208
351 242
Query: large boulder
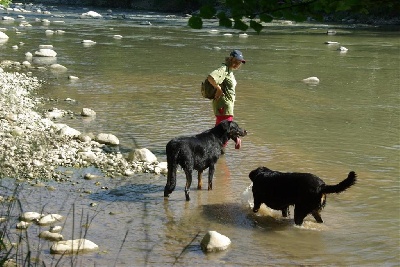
45 52
142 155
214 241
108 139
3 35
73 246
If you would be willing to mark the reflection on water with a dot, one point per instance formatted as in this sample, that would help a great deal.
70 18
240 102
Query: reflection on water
145 89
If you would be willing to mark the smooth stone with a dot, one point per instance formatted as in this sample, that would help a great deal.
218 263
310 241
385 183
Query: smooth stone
214 241
142 155
51 236
73 246
30 216
50 219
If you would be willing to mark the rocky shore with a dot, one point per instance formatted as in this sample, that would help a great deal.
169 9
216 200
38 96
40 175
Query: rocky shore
33 145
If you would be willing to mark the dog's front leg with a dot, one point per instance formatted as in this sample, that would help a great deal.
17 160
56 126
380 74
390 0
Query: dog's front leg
317 216
188 184
257 205
199 179
285 212
211 171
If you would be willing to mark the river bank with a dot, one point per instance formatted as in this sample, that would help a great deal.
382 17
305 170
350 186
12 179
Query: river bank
33 145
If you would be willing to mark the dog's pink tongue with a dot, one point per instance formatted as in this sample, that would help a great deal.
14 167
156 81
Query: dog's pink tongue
238 143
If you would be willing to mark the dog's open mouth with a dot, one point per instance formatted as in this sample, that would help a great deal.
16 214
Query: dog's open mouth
238 142
236 138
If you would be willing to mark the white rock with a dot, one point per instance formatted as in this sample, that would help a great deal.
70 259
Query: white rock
55 114
89 176
88 42
8 18
142 155
55 229
71 77
92 14
243 35
145 23
3 35
87 112
50 219
117 36
311 80
51 236
69 131
28 55
331 42
45 53
23 225
17 131
30 216
58 68
88 156
73 246
84 138
163 167
343 49
214 241
128 172
103 138
26 64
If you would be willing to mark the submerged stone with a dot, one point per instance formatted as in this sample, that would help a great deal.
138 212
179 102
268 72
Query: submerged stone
73 246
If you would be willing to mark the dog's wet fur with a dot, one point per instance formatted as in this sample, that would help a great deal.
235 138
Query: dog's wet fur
306 191
198 152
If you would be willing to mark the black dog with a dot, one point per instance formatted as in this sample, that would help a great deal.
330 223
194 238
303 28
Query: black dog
305 191
199 152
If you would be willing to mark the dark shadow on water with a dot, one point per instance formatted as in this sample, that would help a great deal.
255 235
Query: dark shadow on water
132 193
237 215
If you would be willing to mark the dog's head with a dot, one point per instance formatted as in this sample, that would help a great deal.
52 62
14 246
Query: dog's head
235 132
256 172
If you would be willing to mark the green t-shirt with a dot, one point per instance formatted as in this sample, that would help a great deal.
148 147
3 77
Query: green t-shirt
225 104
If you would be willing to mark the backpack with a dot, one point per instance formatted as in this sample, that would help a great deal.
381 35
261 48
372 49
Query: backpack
208 91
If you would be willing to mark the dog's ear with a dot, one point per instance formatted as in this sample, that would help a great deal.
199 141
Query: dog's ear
225 125
253 174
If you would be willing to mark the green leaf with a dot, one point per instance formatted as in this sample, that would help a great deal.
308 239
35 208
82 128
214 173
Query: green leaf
207 12
195 22
256 26
221 15
226 22
240 25
266 18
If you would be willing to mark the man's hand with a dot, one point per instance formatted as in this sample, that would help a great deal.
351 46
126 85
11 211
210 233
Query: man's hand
218 93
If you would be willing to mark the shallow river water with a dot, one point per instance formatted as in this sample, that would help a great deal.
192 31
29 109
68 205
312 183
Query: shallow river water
145 89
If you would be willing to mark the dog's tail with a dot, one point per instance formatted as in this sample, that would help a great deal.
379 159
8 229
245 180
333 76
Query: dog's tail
172 163
342 186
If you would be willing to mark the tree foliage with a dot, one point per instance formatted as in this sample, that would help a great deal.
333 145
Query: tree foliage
5 3
242 14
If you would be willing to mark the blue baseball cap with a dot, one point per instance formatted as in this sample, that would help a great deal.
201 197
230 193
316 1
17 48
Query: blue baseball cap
238 55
